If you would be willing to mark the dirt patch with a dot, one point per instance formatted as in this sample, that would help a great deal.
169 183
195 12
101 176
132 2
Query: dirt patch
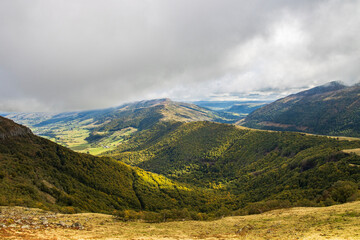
355 150
284 126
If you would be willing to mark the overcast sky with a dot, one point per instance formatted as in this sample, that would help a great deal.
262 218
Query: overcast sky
85 54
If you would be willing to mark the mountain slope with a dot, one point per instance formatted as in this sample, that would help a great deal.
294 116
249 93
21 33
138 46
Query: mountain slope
101 130
39 173
241 166
331 109
256 165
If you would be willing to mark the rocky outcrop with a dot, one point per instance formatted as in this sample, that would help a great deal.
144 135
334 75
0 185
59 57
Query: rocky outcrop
20 219
9 129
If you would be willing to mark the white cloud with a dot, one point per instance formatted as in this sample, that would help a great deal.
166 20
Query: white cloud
82 54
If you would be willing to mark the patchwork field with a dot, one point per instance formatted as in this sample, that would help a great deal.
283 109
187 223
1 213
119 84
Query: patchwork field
74 136
335 222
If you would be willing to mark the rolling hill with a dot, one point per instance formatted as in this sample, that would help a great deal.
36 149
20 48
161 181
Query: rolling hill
255 165
331 109
206 168
97 131
239 166
36 172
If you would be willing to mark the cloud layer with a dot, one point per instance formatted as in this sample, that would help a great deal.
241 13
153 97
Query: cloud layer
81 54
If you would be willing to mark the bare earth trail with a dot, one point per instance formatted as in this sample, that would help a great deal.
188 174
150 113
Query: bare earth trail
335 222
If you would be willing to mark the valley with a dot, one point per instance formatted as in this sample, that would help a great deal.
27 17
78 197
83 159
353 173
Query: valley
97 131
170 120
234 110
36 172
203 167
164 161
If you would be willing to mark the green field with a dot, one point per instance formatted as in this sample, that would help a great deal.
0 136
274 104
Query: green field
74 136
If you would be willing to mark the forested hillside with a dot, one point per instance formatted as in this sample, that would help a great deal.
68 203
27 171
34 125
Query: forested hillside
331 109
255 165
215 169
36 172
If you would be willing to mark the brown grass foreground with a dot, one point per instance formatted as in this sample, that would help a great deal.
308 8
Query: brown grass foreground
335 222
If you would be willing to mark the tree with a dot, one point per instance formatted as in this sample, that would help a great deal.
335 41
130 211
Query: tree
342 190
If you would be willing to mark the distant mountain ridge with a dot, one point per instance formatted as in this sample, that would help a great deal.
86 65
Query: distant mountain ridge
328 87
99 130
330 109
49 118
110 113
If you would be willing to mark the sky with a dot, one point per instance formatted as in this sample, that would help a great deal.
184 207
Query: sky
58 55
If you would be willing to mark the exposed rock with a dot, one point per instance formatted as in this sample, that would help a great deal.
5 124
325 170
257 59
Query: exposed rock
10 129
244 229
77 225
62 224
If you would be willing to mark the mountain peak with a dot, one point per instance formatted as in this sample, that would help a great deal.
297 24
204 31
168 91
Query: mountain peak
9 128
158 101
145 103
328 87
333 84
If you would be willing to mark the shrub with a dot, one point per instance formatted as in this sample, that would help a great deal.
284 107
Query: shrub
153 217
128 215
69 210
341 191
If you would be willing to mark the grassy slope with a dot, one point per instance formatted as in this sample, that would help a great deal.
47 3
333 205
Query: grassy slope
335 222
37 172
257 165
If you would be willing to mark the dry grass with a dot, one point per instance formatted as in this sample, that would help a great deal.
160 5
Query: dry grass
343 138
355 150
335 222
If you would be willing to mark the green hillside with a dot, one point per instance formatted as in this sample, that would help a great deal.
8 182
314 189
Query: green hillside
255 165
331 109
36 172
214 168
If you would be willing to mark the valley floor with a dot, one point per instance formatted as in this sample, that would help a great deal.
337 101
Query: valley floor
335 222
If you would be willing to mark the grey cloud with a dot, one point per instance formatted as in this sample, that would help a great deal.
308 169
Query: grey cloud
80 54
